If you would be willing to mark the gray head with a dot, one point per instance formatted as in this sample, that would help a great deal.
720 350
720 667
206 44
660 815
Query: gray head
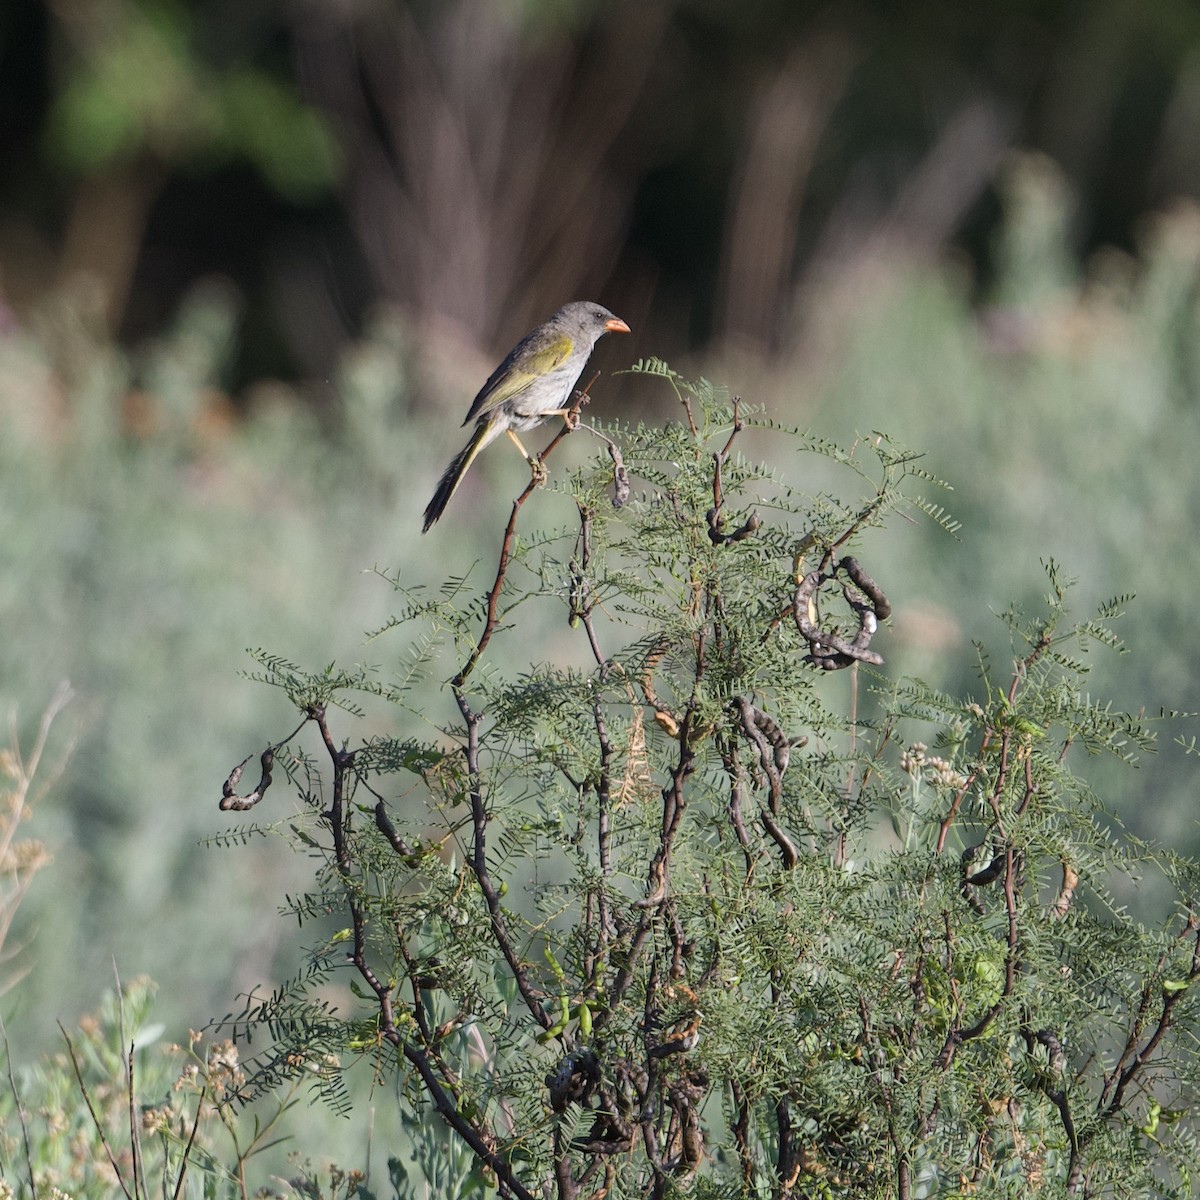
587 320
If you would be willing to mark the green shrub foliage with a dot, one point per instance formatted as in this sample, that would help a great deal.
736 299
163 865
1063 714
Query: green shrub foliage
697 901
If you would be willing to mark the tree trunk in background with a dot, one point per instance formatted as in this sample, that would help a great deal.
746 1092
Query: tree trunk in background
104 234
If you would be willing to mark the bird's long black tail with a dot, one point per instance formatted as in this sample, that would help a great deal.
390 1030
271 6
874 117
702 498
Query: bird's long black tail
448 484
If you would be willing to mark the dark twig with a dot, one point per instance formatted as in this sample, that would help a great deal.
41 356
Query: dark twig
492 620
135 1134
438 1086
958 1034
384 824
714 516
1057 1095
187 1149
448 1109
87 1099
1134 1058
20 1108
585 605
230 800
741 1135
1002 753
472 720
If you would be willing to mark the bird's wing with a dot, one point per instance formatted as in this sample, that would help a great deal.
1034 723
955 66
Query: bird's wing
527 362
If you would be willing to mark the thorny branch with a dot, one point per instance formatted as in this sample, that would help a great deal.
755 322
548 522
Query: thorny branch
714 517
1002 738
567 1185
666 1098
774 753
1137 1053
473 719
421 1051
492 618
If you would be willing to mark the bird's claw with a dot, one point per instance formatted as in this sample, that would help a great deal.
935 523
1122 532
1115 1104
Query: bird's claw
540 474
571 418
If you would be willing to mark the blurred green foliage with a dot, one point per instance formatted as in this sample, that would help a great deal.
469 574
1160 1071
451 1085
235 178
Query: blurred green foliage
140 87
149 539
119 1106
1065 414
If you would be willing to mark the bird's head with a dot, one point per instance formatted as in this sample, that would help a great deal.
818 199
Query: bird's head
589 320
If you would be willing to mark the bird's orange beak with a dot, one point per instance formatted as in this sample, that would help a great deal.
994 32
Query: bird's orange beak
616 325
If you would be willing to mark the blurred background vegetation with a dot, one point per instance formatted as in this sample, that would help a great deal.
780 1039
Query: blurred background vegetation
256 259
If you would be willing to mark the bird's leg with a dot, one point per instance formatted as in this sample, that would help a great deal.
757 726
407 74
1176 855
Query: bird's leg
571 416
535 464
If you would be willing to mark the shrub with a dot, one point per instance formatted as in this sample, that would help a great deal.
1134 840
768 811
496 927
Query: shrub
677 912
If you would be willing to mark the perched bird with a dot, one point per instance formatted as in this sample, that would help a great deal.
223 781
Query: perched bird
534 382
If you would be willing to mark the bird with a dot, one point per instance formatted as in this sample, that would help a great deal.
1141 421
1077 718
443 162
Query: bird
533 382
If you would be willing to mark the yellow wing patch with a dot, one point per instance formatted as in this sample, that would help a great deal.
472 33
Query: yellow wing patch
523 367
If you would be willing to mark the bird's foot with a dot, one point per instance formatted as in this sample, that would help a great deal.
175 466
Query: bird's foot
571 418
540 474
